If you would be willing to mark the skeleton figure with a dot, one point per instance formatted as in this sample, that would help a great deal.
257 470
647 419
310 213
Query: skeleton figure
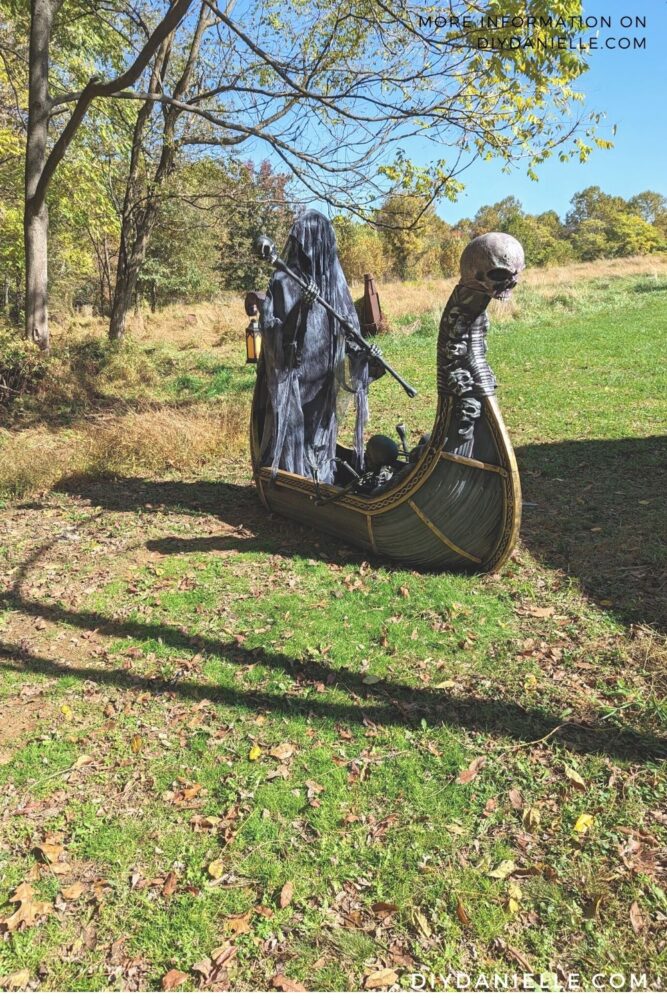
490 268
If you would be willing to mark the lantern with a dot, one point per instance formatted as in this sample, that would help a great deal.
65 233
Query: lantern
253 342
253 333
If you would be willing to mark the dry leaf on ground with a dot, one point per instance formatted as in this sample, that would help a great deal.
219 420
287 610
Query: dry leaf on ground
471 772
172 979
28 912
636 918
287 985
286 894
16 980
382 979
72 892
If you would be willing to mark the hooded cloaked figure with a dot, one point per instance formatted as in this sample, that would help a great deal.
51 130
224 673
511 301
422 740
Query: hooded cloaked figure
304 353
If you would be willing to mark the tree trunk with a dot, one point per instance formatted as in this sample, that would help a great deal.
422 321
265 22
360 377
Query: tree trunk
140 209
36 218
126 280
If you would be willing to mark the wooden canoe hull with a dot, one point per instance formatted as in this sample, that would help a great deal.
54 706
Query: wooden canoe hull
447 512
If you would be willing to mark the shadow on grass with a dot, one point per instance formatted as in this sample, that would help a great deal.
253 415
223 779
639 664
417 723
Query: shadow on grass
596 510
593 509
389 704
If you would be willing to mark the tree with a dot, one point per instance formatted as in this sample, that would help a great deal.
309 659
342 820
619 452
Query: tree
335 91
592 203
414 248
497 218
40 162
360 249
209 216
649 205
629 234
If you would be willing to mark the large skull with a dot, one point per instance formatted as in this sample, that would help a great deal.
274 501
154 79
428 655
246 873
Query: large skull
492 264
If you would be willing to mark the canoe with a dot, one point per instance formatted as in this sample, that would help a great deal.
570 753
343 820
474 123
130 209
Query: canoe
455 503
446 512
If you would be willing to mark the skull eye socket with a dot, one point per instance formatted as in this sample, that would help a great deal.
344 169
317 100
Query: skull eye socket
500 274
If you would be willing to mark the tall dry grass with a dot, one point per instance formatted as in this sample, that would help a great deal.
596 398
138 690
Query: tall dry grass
155 441
407 298
123 423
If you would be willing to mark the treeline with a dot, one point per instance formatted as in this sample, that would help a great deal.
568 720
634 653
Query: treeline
597 225
210 211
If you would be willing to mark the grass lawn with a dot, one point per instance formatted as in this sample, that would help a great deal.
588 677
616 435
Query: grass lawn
235 754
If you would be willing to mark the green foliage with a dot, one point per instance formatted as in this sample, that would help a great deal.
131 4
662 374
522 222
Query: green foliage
414 238
599 225
21 370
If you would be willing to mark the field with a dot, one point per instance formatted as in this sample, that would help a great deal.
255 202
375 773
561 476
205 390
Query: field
235 754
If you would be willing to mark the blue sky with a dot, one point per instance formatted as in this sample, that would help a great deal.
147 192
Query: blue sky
630 87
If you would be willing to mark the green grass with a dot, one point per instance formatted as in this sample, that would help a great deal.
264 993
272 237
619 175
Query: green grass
328 706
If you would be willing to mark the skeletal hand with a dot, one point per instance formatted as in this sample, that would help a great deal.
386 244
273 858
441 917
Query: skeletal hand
311 292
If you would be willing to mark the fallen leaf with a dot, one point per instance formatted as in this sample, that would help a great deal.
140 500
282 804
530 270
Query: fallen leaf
254 753
239 924
516 799
503 870
23 892
135 746
50 851
173 978
534 612
264 911
216 868
286 985
71 892
169 885
191 792
384 908
530 683
283 751
514 897
286 894
28 912
471 772
637 918
223 955
404 592
61 868
16 980
199 822
369 679
461 913
584 823
381 979
81 761
531 818
575 779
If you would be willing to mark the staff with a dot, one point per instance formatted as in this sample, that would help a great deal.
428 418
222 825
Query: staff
267 251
